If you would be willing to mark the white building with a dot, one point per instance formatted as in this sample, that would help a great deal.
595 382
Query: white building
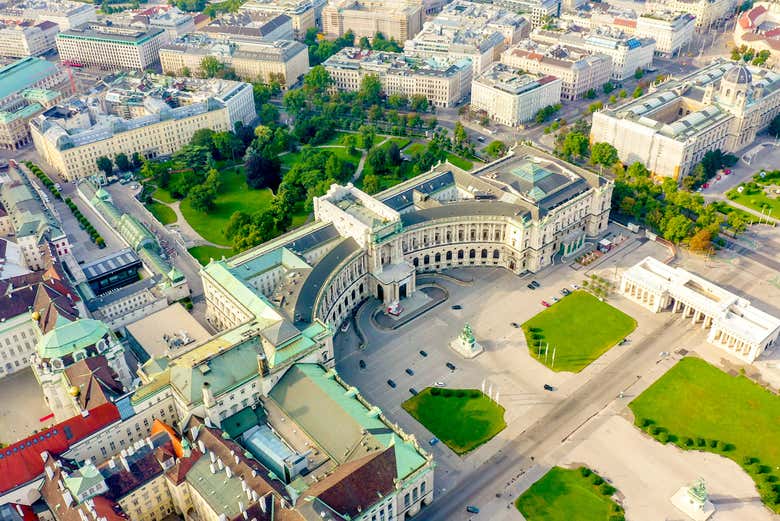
253 25
734 324
628 53
111 46
537 11
304 14
722 106
671 31
705 12
400 20
65 13
21 40
442 82
479 32
511 97
578 69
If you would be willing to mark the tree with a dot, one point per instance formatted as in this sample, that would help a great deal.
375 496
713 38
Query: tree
186 72
363 43
591 94
367 135
608 87
496 149
575 145
736 222
637 92
122 162
701 242
137 160
262 171
677 228
419 103
210 67
202 198
459 133
370 92
622 93
638 73
316 81
228 145
603 154
203 137
105 164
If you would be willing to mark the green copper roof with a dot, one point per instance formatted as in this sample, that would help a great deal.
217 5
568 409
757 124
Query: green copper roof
73 336
25 112
82 480
23 73
316 401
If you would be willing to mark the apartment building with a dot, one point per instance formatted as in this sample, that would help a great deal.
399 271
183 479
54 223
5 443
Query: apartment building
478 32
255 25
65 13
671 30
578 69
71 137
537 11
304 14
400 20
111 46
705 12
511 97
252 59
627 53
18 40
442 82
721 106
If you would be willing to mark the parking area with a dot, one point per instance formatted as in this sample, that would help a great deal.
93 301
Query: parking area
21 406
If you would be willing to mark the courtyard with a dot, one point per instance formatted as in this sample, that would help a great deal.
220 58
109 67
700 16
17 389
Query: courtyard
574 332
21 406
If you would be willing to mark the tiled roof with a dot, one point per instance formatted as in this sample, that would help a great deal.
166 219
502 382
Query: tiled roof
96 381
21 462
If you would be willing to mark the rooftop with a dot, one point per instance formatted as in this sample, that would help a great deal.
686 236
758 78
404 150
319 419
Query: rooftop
167 332
113 33
395 63
24 73
512 80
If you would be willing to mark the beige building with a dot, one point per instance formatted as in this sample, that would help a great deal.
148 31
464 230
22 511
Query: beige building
722 106
111 46
71 138
578 69
397 19
511 97
705 12
304 14
252 60
65 13
25 39
442 82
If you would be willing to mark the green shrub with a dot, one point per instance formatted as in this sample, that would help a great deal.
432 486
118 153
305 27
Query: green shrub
663 437
460 393
475 394
689 442
606 489
701 442
617 517
656 430
646 422
713 444
749 460
597 480
585 471
435 391
446 393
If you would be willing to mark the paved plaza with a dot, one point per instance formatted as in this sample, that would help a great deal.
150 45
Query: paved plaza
21 406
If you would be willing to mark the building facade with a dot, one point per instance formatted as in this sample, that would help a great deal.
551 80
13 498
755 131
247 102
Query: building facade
24 39
705 12
511 97
537 11
734 324
400 20
578 69
442 82
722 106
111 46
671 31
65 13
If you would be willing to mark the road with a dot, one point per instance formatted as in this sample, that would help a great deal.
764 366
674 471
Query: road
542 438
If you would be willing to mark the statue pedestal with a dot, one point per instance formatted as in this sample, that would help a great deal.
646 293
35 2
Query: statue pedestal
466 349
693 508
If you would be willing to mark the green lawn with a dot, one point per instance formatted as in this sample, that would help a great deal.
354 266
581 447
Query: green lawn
234 195
415 148
204 254
567 495
289 159
463 419
580 328
162 212
696 401
400 141
756 199
163 195
463 164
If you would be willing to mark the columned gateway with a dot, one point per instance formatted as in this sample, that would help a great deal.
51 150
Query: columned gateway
733 323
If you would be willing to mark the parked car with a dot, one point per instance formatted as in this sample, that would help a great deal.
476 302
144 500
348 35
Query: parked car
423 353
391 383
450 366
471 509
727 171
433 441
362 364
439 384
548 387
531 286
545 304
565 292
554 299
514 324
481 139
409 372
413 391
457 307
705 185
535 284
575 286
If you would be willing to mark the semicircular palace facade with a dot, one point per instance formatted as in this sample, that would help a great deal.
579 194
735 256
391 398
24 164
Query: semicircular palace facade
519 213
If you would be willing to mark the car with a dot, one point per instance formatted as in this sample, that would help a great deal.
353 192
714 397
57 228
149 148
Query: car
457 307
718 178
362 364
699 189
481 139
705 185
450 366
471 509
133 186
423 353
433 441
345 327
531 286
391 383
575 286
413 391
727 171
545 304
565 292
409 372
548 387
514 324
439 384
535 284
554 299
58 186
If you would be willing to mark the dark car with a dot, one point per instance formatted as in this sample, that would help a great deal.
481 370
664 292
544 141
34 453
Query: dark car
565 292
423 353
413 391
457 306
362 364
535 284
433 441
531 286
471 509
514 324
450 366
548 387
391 383
409 371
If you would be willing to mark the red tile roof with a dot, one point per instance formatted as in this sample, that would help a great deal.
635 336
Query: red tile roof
21 461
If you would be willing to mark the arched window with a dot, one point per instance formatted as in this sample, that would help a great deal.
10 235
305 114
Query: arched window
427 260
416 262
484 254
460 254
437 258
472 254
496 254
448 256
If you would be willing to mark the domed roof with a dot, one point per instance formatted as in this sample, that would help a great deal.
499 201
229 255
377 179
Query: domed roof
72 336
738 74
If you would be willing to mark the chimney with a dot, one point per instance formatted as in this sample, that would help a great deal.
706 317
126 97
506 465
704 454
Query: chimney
228 472
124 463
212 468
212 456
208 396
220 464
262 364
202 446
